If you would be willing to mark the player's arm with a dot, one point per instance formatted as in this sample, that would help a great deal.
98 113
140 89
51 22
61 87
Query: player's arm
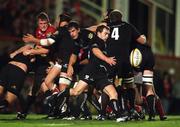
20 50
72 61
29 38
44 42
94 27
137 36
141 39
98 53
37 51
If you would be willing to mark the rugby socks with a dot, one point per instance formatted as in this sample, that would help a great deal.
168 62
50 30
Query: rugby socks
94 101
64 93
151 105
81 103
104 103
62 98
29 102
131 97
159 108
115 106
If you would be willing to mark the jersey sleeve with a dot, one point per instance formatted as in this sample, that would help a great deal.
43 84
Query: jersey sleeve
50 31
76 50
37 33
135 32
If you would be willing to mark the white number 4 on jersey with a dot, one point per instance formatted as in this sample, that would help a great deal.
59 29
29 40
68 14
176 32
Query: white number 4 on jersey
115 34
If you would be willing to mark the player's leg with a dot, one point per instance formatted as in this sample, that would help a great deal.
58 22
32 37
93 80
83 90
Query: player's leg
150 96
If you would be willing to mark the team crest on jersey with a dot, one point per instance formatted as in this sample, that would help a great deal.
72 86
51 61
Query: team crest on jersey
86 77
90 35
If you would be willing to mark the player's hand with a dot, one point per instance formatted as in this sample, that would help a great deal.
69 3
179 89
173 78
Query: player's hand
12 55
111 61
28 38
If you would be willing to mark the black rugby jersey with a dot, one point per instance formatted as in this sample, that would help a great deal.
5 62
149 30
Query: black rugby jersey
63 47
148 60
122 35
22 59
98 63
83 43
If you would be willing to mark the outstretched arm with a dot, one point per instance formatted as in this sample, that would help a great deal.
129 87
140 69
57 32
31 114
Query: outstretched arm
20 50
98 53
44 42
38 51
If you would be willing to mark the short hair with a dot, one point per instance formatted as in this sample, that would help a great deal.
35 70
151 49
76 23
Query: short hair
65 17
106 20
109 10
43 16
101 27
73 24
115 16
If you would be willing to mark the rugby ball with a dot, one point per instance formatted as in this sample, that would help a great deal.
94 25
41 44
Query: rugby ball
135 57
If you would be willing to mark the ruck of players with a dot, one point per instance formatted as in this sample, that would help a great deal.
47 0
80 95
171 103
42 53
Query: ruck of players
108 66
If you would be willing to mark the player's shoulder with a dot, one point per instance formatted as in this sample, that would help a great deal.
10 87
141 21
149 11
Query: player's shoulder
87 33
51 27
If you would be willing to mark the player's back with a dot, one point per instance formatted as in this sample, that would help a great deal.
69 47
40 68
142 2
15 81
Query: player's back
120 39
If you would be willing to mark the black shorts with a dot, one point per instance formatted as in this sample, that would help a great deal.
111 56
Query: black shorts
122 69
39 76
95 76
12 78
148 61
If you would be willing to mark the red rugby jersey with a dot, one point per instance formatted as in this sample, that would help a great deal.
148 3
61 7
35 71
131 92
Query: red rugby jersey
44 34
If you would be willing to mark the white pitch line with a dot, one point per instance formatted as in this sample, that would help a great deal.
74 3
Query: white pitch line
58 124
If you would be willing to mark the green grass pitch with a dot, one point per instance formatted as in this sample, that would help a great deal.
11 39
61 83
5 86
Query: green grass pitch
38 121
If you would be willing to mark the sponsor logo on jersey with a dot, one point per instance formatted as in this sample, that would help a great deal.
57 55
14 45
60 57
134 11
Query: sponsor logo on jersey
90 35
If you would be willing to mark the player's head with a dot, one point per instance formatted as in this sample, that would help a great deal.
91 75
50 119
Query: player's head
43 21
106 15
115 16
65 17
102 32
74 29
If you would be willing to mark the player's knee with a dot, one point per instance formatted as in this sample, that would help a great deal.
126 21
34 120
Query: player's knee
113 95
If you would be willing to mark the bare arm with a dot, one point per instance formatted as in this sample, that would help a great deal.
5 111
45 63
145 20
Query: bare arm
20 50
72 61
30 38
141 39
98 53
38 51
44 42
93 28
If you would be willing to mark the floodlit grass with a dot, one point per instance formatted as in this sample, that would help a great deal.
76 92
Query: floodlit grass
38 121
